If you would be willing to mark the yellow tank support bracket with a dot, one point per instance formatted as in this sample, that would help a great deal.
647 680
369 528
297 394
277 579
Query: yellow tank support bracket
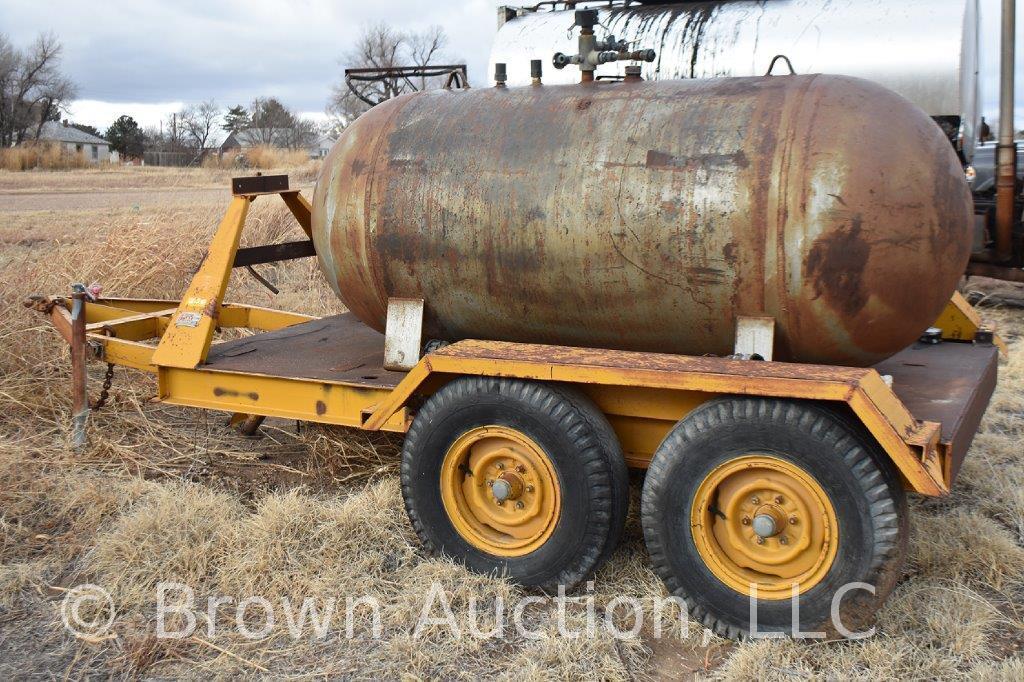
960 322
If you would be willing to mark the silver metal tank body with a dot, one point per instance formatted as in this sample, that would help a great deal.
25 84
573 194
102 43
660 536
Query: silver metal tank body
925 50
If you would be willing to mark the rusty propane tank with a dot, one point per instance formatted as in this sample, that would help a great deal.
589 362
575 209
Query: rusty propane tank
649 215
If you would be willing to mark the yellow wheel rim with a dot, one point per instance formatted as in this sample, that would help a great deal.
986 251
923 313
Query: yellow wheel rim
500 491
762 521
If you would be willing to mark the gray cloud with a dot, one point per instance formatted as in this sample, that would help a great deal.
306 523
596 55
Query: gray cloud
149 51
158 51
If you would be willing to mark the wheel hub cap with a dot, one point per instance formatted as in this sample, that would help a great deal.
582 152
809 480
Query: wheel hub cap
763 521
500 491
764 525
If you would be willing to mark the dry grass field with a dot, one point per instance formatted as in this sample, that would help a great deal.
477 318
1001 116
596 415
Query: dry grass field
168 494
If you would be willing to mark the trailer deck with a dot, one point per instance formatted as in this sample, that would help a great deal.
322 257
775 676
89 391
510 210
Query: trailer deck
338 348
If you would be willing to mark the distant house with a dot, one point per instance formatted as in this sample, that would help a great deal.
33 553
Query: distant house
321 147
231 145
237 143
94 149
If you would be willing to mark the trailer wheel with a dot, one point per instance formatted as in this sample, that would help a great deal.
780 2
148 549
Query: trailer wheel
777 496
515 478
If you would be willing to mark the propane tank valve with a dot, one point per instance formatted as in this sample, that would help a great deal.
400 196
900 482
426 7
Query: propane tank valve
594 52
536 70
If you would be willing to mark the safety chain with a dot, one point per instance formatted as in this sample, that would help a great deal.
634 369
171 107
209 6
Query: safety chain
108 379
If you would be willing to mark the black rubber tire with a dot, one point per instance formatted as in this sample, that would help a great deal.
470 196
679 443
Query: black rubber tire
575 436
858 478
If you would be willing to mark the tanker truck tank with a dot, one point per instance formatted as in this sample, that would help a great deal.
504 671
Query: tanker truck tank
925 50
650 215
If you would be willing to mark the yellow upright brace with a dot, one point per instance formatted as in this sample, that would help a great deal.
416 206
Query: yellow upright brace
301 209
187 339
960 321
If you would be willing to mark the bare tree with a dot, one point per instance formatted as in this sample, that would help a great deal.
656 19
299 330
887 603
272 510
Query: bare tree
379 47
32 88
10 59
172 134
153 139
382 47
199 121
268 121
424 48
301 134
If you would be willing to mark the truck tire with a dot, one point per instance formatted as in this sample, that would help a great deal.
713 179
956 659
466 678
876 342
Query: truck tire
544 451
758 492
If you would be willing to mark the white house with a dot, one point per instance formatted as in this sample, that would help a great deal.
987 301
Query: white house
321 147
94 149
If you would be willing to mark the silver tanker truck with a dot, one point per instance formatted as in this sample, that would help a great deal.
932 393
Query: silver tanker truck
925 50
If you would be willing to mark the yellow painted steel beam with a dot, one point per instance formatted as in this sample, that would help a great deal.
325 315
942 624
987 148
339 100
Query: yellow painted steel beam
289 398
135 327
231 314
96 312
126 353
301 209
137 305
187 339
642 417
452 361
253 317
909 444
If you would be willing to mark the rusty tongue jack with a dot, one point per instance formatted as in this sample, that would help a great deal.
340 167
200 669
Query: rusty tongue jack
593 52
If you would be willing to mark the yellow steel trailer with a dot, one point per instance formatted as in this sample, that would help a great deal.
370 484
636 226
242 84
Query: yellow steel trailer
759 523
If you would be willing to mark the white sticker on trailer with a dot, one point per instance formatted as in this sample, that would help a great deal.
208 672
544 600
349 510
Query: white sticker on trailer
188 319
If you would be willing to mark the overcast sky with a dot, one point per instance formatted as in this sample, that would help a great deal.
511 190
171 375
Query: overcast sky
148 57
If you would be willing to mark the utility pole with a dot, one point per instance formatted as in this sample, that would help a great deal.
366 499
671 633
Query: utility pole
1006 150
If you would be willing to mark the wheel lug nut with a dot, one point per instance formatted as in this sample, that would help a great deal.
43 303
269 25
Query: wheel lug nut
783 540
501 503
760 540
521 469
519 504
778 499
501 466
755 500
490 482
792 520
529 488
746 520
